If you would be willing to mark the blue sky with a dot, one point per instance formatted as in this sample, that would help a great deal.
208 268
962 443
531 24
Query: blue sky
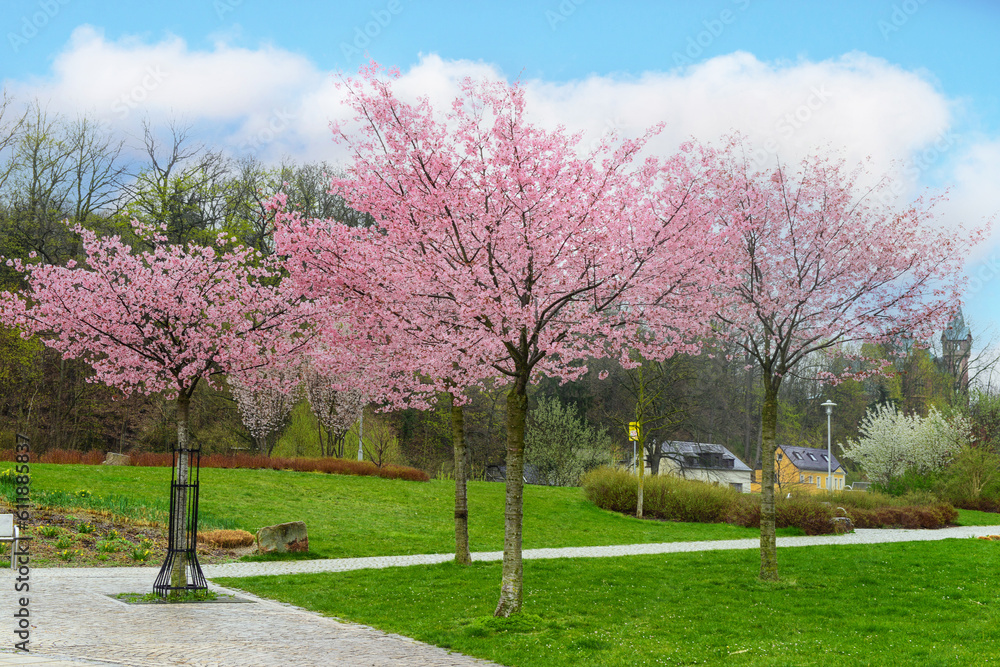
912 83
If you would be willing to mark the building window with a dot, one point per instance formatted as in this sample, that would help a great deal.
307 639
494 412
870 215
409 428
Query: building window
802 478
818 482
738 486
810 479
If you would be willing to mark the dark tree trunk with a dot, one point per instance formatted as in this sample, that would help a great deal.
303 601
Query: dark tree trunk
641 463
462 554
769 425
511 583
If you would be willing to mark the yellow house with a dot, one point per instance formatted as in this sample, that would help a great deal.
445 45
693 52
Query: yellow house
802 469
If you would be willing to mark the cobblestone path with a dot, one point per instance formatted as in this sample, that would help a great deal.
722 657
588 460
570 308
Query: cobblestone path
72 618
74 622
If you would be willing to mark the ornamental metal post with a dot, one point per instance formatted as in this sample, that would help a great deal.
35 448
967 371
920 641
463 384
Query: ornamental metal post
829 405
183 503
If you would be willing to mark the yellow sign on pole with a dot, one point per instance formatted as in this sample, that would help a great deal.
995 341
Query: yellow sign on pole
633 431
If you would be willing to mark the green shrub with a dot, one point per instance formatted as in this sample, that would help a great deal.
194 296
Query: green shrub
927 516
676 499
973 475
561 444
979 504
250 461
612 489
663 497
909 482
808 514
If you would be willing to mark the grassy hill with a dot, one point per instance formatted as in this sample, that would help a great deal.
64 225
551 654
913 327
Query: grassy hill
365 516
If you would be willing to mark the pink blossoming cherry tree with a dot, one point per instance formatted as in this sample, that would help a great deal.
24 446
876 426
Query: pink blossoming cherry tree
824 262
160 320
501 248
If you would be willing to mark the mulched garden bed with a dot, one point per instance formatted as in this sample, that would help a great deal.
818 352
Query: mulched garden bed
78 538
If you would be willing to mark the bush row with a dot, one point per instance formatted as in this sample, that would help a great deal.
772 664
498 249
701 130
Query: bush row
811 516
930 516
249 461
675 499
981 504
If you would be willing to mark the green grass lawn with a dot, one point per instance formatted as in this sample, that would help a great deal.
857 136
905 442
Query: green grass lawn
921 603
975 518
365 516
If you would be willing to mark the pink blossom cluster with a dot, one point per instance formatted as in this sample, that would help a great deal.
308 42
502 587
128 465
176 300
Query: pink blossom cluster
160 319
500 247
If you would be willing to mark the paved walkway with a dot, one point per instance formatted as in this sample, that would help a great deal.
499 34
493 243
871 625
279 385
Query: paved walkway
73 619
73 622
859 536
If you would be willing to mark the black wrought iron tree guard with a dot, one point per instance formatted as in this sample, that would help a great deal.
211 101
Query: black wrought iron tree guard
182 529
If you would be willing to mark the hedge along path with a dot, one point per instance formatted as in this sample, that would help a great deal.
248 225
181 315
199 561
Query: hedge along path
859 536
327 465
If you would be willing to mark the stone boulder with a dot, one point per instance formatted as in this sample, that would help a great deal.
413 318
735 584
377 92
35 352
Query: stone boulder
841 522
117 460
284 537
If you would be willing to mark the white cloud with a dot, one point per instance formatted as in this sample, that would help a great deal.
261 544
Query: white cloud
858 104
129 80
277 103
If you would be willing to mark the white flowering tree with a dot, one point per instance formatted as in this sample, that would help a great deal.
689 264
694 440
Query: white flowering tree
893 443
337 407
264 407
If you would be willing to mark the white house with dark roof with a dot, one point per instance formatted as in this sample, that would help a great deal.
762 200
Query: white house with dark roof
706 462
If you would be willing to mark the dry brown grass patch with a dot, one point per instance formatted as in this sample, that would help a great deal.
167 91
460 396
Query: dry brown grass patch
227 539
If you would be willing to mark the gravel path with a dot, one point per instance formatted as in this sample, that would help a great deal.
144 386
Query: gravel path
74 622
859 536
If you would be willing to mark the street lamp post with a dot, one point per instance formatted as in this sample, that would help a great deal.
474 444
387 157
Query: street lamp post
829 405
361 437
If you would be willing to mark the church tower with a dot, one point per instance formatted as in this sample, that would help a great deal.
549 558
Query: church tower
956 347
